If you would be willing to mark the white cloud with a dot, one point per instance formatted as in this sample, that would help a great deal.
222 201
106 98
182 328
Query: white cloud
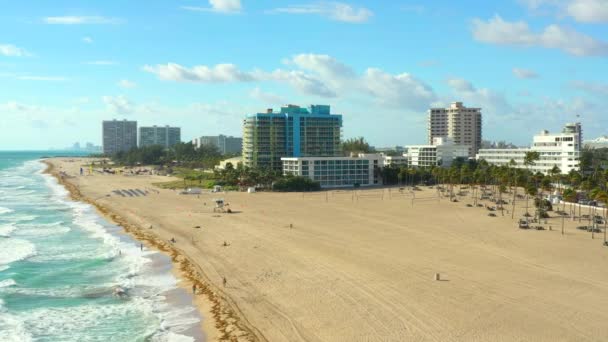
200 73
101 62
42 78
326 66
592 88
317 75
226 5
126 84
13 51
14 106
220 6
266 97
302 82
584 11
402 90
334 10
223 73
588 11
461 85
118 104
524 74
493 104
87 40
79 20
498 31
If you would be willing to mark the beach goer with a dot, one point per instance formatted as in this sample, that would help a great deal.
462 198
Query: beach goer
193 288
81 171
141 247
172 240
224 281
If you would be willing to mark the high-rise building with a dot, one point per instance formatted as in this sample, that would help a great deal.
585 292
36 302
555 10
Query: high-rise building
164 136
458 122
292 132
561 150
224 144
119 136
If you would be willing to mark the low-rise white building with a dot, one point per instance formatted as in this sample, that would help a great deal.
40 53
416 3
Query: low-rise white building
394 161
335 172
561 150
441 153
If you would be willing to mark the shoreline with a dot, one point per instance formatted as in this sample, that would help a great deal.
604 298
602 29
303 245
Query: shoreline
326 267
220 321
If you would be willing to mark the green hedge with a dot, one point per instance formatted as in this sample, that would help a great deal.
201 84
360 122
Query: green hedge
293 183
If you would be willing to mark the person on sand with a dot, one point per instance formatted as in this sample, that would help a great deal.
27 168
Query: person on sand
193 288
141 247
172 240
224 281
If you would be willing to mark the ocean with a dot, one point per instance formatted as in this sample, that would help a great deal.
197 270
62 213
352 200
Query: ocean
62 268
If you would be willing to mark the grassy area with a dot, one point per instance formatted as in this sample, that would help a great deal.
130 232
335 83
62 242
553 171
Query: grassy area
182 184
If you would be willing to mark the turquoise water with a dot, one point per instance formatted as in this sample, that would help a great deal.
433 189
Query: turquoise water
61 265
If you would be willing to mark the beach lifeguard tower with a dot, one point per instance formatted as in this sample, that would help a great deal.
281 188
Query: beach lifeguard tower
219 205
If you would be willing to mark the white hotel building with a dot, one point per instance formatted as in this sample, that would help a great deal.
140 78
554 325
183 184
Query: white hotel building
336 172
441 153
561 150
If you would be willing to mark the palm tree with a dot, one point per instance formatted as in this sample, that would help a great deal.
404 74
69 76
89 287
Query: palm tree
555 173
569 196
531 158
603 197
531 190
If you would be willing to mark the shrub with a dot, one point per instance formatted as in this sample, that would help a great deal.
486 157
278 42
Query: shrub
293 183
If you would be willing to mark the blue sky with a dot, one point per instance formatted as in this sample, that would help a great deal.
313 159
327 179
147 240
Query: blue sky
203 65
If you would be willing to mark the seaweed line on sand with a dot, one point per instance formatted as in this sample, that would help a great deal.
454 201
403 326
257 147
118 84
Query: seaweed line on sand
228 318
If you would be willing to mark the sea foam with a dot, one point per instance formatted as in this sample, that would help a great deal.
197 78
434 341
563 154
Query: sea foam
12 250
4 210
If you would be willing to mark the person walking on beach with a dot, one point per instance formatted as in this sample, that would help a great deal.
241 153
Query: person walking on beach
81 171
141 247
193 288
224 281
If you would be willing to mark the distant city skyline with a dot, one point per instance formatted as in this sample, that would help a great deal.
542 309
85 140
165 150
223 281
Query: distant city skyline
203 65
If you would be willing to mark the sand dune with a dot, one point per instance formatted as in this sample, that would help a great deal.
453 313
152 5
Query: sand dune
363 270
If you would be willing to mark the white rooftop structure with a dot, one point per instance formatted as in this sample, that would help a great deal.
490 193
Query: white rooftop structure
560 149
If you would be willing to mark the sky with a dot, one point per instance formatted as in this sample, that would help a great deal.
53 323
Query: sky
203 65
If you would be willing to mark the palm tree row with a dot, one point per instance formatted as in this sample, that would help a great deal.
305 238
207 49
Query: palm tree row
483 179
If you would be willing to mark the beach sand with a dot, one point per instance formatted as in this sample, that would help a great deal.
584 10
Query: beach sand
363 269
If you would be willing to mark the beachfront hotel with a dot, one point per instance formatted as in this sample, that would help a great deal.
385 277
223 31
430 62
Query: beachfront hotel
441 152
458 122
224 144
292 132
164 136
336 172
560 149
118 136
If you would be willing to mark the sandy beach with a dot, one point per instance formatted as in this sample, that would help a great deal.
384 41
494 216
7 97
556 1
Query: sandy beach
330 266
